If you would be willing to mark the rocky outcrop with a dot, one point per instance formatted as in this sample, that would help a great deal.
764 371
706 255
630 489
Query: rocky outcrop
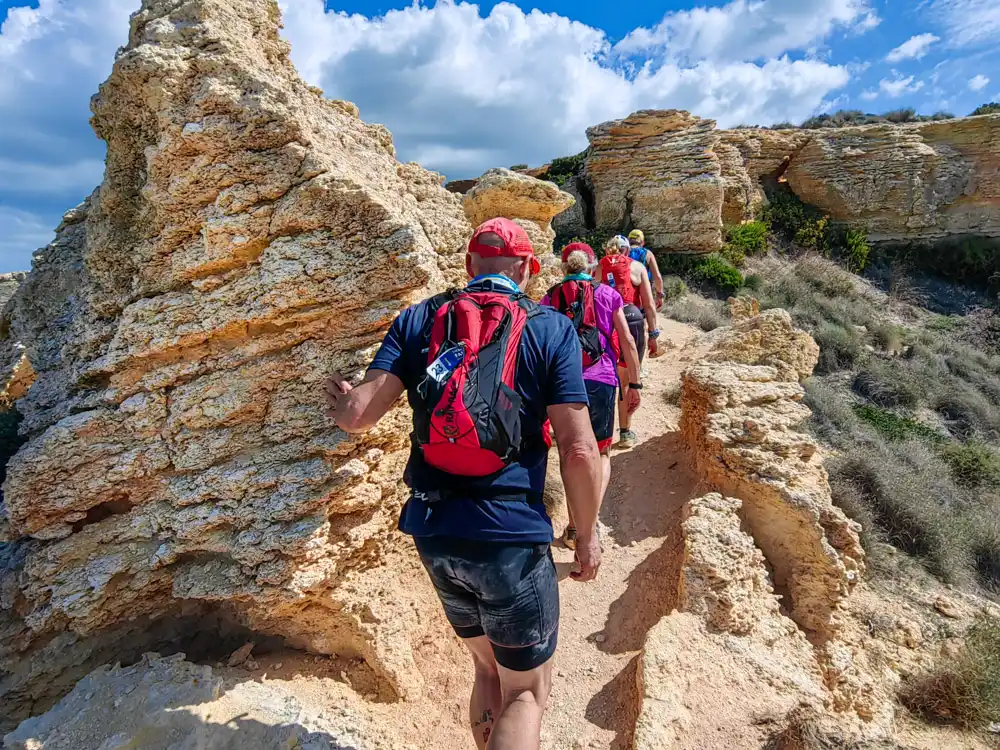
159 704
919 182
530 202
249 238
740 409
656 170
680 180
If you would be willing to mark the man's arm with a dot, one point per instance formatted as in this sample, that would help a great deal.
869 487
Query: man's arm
359 409
631 358
580 464
646 298
657 278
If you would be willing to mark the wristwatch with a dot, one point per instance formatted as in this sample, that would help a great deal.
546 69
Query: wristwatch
635 386
655 333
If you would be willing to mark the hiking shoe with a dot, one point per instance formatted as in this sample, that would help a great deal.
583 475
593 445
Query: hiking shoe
569 537
626 438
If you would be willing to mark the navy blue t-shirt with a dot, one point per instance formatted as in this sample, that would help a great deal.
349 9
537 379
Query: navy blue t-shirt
548 372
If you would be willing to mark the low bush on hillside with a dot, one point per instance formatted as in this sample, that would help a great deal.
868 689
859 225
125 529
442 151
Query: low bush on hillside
707 314
715 271
565 167
749 238
963 691
973 261
914 416
673 288
846 117
986 109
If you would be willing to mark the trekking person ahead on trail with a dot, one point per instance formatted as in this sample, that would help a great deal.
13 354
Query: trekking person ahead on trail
484 368
597 312
628 277
639 252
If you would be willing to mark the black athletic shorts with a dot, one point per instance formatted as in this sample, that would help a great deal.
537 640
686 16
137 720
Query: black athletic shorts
637 326
507 592
602 411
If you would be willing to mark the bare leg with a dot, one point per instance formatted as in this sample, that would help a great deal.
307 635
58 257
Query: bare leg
605 472
525 694
624 418
486 701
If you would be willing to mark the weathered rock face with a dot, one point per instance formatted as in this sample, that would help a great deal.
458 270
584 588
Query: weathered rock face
532 203
740 409
656 170
249 238
911 182
677 178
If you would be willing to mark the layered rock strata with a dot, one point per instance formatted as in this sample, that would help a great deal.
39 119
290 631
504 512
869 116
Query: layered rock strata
532 203
249 238
740 409
678 178
656 170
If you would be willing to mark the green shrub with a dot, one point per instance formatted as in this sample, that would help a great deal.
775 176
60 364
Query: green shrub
893 427
972 260
704 313
749 238
986 109
966 411
715 271
973 464
963 691
565 167
673 288
887 385
519 166
814 235
839 348
753 282
733 255
857 250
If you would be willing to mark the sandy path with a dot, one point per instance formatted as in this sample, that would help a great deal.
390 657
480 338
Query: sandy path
603 624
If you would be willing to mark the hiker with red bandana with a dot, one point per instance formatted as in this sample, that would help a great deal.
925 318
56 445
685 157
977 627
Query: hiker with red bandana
485 369
598 314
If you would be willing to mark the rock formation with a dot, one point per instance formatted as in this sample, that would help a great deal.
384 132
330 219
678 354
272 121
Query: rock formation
656 170
249 238
530 202
680 180
740 407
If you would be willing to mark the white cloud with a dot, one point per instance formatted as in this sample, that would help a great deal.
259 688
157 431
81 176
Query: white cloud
898 85
869 95
462 92
968 23
870 21
913 48
745 30
978 83
21 233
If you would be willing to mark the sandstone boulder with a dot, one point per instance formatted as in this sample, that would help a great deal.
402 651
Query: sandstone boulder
530 202
918 182
656 170
249 238
765 338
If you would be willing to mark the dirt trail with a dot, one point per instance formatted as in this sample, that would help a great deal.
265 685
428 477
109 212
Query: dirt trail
603 625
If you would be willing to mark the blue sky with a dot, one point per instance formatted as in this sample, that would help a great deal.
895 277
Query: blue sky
465 87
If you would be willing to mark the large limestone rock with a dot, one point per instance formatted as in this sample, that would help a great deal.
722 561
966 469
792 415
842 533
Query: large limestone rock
679 179
249 238
168 703
912 182
532 203
656 170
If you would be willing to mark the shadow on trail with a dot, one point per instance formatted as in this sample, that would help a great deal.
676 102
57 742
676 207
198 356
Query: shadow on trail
616 707
653 484
649 486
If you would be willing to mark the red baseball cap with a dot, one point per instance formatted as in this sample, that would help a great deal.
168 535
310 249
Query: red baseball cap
515 242
582 247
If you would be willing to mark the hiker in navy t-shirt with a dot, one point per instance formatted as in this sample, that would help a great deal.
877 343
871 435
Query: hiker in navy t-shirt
485 540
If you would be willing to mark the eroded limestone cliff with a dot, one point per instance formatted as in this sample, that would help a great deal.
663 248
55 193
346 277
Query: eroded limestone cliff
249 237
680 180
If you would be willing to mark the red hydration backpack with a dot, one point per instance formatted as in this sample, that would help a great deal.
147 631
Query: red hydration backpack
575 299
616 272
471 421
